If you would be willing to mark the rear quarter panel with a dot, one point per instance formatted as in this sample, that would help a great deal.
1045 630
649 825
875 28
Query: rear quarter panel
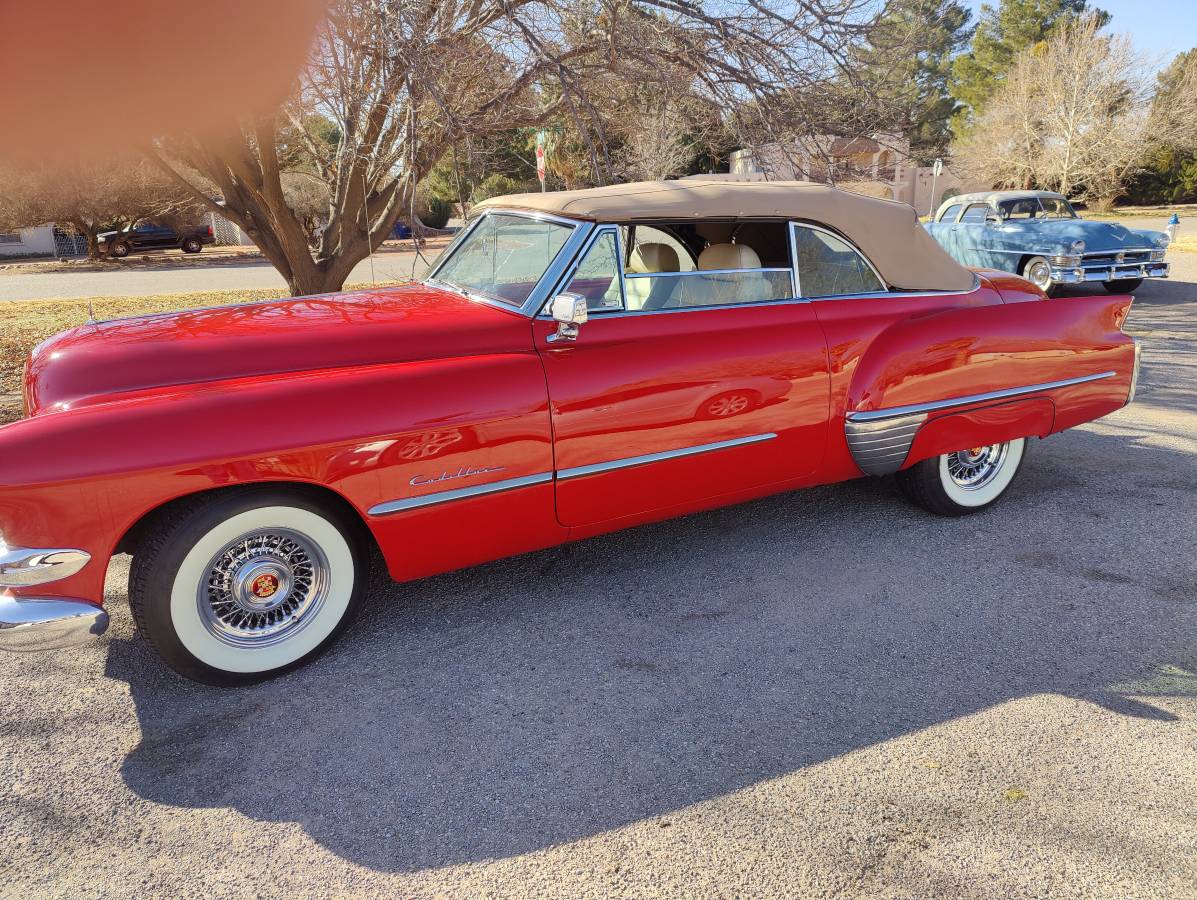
963 352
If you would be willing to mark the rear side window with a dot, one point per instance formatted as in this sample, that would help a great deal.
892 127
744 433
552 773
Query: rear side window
950 214
828 265
975 213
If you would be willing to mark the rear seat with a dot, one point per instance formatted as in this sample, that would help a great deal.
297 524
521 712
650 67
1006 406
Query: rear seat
716 290
649 259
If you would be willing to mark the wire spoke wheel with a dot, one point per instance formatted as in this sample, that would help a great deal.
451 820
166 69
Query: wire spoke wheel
973 469
263 587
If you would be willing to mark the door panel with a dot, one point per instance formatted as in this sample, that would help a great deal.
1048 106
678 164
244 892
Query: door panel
688 404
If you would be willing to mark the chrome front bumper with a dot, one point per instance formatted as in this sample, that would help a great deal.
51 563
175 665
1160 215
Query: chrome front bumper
1081 274
28 624
44 623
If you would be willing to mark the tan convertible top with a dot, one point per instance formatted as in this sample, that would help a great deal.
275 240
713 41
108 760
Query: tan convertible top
887 232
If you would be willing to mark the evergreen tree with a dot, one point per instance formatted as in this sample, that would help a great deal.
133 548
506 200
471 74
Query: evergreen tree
1001 34
1170 175
918 86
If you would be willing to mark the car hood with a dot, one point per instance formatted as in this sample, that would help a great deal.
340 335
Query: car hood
103 360
1096 235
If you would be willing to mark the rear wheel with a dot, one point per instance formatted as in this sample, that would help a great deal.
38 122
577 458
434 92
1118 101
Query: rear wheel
235 588
967 481
192 245
1123 285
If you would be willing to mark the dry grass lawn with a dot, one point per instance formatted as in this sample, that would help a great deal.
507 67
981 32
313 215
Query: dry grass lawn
26 323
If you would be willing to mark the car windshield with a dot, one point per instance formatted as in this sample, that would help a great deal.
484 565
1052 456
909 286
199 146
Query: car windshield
1037 208
503 256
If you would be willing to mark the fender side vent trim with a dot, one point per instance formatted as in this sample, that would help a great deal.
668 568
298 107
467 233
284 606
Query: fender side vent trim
880 447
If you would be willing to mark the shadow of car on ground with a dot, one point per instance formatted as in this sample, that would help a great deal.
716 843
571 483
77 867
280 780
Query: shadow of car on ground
535 701
539 700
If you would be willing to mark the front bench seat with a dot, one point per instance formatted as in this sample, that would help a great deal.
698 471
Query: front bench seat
649 259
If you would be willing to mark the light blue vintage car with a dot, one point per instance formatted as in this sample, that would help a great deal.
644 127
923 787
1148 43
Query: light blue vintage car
1039 236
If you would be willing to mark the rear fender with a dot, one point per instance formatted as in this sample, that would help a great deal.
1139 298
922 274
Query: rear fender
979 427
932 372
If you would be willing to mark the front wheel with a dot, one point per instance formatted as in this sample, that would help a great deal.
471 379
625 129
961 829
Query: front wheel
1123 285
235 588
1038 271
963 482
120 250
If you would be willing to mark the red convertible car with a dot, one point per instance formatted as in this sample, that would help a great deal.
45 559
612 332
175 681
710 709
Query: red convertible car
575 363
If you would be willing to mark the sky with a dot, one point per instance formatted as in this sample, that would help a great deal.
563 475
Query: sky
1160 28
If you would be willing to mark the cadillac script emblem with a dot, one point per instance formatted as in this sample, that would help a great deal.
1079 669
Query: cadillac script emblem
463 472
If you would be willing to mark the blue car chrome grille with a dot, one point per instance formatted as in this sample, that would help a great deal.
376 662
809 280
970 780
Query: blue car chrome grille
1110 258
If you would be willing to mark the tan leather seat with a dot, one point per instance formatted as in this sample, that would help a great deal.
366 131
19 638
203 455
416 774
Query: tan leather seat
647 259
717 290
728 256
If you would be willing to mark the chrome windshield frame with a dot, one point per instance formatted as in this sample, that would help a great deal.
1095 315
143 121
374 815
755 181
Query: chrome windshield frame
548 279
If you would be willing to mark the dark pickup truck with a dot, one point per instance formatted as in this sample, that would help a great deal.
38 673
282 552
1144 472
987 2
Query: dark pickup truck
154 236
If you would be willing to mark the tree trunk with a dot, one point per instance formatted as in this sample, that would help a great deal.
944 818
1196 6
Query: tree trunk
89 231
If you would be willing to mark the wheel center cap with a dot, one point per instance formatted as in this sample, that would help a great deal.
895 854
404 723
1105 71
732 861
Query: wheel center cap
261 585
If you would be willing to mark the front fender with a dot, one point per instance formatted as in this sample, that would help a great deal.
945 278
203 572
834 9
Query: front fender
81 478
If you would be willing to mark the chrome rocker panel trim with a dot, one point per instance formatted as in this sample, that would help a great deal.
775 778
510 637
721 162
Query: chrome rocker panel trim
494 487
25 566
629 461
478 490
880 439
30 624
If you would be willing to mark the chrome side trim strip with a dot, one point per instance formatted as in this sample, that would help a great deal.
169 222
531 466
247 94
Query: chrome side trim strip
895 411
694 272
628 462
478 490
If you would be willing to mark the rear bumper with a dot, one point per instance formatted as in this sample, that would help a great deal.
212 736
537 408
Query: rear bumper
28 624
1082 274
1134 385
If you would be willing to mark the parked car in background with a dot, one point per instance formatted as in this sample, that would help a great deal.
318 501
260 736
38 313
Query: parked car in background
154 236
574 363
1038 235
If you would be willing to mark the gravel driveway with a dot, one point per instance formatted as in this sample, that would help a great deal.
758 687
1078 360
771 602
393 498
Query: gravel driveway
817 693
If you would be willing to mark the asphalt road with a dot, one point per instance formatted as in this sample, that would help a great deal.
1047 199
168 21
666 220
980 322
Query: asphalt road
826 692
170 276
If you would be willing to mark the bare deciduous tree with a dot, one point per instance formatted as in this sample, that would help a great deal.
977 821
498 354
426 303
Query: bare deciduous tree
1073 115
404 82
90 196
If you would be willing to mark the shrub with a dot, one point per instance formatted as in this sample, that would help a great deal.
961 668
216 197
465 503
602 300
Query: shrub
438 213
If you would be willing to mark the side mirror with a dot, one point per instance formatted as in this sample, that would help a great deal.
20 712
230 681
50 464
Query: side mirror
568 311
993 219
